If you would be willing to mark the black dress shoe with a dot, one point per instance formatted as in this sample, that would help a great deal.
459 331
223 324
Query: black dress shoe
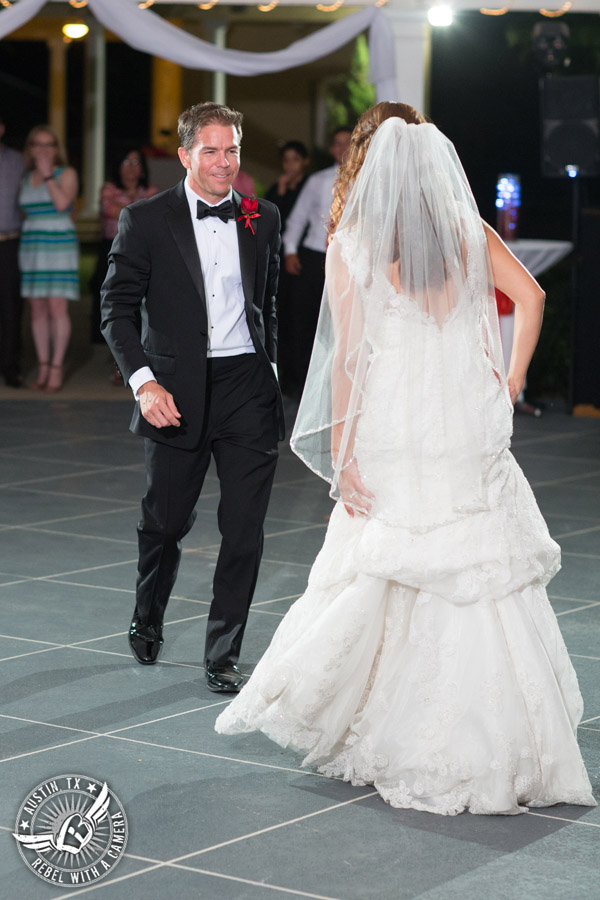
224 679
145 642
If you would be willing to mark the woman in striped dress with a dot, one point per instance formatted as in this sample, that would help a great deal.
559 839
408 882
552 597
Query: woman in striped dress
49 252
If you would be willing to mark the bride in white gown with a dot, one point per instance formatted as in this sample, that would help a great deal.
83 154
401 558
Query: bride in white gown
424 657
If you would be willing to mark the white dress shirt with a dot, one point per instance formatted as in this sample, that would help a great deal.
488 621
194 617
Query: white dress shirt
217 243
312 208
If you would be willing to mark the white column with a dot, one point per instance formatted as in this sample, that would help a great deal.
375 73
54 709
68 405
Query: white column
219 37
320 115
94 118
57 93
412 43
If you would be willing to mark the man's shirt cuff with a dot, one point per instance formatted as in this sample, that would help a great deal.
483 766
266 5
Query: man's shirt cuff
140 377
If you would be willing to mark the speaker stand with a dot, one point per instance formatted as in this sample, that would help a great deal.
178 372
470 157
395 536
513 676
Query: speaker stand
575 223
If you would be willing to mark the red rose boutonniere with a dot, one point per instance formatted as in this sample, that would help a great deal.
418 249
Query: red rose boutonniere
249 207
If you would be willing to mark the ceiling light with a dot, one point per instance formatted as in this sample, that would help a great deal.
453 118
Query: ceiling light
75 30
440 15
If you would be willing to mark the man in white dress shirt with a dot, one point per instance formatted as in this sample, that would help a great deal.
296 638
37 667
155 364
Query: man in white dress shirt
305 244
201 262
11 172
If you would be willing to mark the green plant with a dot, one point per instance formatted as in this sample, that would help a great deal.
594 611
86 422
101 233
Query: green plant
350 95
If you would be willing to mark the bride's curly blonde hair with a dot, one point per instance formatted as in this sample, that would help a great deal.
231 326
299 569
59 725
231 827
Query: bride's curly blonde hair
365 128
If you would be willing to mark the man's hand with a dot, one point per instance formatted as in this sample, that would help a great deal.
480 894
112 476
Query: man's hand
157 405
292 264
283 183
355 496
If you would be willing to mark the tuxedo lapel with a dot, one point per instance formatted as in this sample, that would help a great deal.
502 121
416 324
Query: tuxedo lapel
247 246
180 223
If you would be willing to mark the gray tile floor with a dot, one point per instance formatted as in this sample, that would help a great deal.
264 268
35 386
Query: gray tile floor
236 818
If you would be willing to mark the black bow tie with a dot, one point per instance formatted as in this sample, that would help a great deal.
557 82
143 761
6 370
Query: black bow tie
224 211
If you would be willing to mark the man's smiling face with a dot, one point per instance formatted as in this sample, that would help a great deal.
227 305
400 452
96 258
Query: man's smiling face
213 162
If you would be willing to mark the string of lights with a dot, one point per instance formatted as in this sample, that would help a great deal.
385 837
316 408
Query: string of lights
439 14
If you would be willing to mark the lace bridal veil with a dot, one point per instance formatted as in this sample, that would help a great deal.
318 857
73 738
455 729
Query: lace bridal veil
406 373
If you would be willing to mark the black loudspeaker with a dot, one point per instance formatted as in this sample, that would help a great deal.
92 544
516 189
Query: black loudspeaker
570 125
586 325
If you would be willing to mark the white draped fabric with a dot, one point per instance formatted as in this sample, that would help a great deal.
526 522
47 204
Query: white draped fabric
15 16
146 31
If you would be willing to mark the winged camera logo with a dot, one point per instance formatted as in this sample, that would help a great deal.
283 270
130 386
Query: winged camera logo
71 830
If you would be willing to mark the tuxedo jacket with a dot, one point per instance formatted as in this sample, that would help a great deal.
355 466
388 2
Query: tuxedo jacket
154 267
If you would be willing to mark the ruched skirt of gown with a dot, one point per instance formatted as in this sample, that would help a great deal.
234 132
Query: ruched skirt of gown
428 663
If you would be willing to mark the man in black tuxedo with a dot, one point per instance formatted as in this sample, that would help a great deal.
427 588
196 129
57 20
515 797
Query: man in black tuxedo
201 263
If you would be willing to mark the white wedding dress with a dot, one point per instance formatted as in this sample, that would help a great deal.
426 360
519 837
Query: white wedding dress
424 658
430 665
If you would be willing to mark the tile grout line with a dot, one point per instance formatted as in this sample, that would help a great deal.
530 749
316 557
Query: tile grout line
569 599
109 881
581 555
567 479
203 753
102 512
114 735
30 653
591 719
553 436
65 494
261 884
270 828
95 470
71 534
568 612
568 534
48 749
158 864
166 865
94 537
563 819
30 640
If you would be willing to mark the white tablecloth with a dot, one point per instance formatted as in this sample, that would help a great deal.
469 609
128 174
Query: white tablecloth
537 256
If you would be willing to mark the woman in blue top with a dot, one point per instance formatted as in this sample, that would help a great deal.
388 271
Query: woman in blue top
49 252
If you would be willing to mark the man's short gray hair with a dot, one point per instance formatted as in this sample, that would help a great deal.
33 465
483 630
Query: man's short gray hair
196 117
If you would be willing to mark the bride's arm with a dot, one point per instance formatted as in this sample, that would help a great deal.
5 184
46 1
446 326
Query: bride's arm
513 279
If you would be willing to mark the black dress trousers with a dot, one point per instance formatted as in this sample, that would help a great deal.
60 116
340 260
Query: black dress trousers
241 433
307 291
10 308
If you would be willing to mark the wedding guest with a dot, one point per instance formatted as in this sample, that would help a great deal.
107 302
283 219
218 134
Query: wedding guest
284 193
49 251
11 171
129 182
305 243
